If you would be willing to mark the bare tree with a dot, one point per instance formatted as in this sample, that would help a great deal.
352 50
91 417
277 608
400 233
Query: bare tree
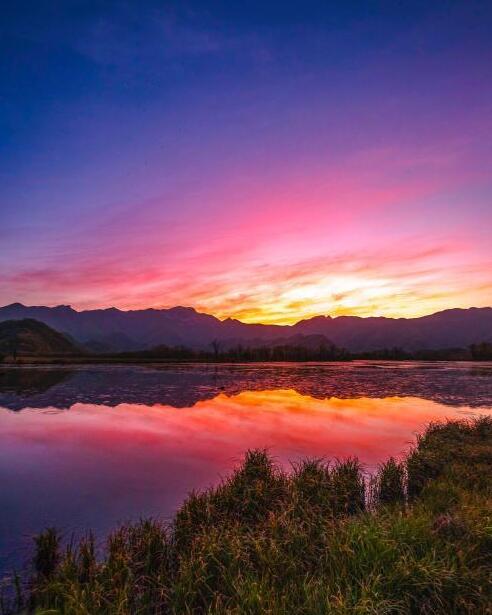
216 348
13 346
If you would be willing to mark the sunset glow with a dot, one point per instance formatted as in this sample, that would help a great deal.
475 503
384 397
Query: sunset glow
173 157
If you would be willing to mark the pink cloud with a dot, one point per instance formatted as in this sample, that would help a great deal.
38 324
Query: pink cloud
353 237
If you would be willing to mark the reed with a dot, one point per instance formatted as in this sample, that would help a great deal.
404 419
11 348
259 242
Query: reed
390 482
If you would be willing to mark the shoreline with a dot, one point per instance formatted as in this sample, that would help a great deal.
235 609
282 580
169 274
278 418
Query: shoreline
100 360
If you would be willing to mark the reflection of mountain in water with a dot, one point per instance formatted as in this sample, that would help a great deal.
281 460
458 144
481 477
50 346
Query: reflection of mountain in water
30 382
183 386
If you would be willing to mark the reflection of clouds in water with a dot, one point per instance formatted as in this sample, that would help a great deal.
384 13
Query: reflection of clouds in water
454 384
222 428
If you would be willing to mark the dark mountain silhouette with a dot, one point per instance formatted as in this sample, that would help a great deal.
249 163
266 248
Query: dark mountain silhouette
31 337
447 329
111 329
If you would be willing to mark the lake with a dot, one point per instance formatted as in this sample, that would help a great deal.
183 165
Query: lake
90 446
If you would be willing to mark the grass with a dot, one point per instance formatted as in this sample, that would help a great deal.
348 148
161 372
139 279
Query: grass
311 541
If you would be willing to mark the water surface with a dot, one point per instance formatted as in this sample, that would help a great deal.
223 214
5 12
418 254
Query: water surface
88 447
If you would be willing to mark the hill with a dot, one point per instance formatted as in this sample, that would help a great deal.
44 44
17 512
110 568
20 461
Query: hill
113 330
30 337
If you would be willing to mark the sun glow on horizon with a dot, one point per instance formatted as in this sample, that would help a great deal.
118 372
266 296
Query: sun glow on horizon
351 295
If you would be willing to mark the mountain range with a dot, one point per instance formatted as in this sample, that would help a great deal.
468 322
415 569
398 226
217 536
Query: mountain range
114 330
110 330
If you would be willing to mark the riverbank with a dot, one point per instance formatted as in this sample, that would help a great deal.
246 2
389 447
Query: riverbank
27 361
416 538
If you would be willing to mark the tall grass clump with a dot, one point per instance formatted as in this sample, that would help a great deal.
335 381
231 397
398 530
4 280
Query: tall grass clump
312 487
348 487
446 448
267 541
256 489
390 482
47 553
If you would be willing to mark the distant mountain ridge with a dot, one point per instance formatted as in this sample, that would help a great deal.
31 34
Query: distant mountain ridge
113 330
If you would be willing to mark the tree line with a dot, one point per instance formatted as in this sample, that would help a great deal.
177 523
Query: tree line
323 352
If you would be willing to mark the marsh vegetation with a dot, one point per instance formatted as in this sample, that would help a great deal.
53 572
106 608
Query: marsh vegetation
322 538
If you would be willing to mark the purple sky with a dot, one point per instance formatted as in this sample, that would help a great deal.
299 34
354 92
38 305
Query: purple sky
259 161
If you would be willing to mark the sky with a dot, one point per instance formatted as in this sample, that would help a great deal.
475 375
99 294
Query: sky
264 161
